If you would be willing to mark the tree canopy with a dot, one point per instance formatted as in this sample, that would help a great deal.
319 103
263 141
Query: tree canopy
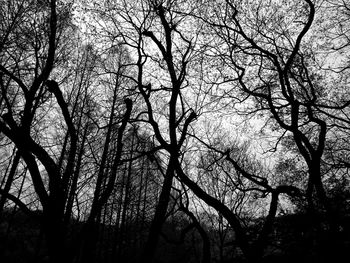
175 130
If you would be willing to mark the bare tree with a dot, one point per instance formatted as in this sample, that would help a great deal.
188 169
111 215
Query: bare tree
26 100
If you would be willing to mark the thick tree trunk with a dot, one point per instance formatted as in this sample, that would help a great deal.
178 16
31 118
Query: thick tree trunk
55 234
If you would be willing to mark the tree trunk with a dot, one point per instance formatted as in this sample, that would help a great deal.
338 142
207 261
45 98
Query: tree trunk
159 216
55 234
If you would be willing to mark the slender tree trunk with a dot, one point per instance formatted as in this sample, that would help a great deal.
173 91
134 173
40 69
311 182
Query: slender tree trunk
116 241
127 185
159 216
73 186
206 252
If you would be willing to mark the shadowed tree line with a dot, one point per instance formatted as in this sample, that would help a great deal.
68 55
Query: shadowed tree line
174 131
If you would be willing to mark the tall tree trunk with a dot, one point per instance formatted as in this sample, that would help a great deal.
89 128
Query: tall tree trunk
127 183
206 252
160 213
73 186
55 233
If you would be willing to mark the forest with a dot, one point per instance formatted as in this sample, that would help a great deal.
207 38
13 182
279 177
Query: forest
175 131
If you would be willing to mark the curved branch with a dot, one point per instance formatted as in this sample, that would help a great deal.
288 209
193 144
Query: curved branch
53 87
18 202
301 35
